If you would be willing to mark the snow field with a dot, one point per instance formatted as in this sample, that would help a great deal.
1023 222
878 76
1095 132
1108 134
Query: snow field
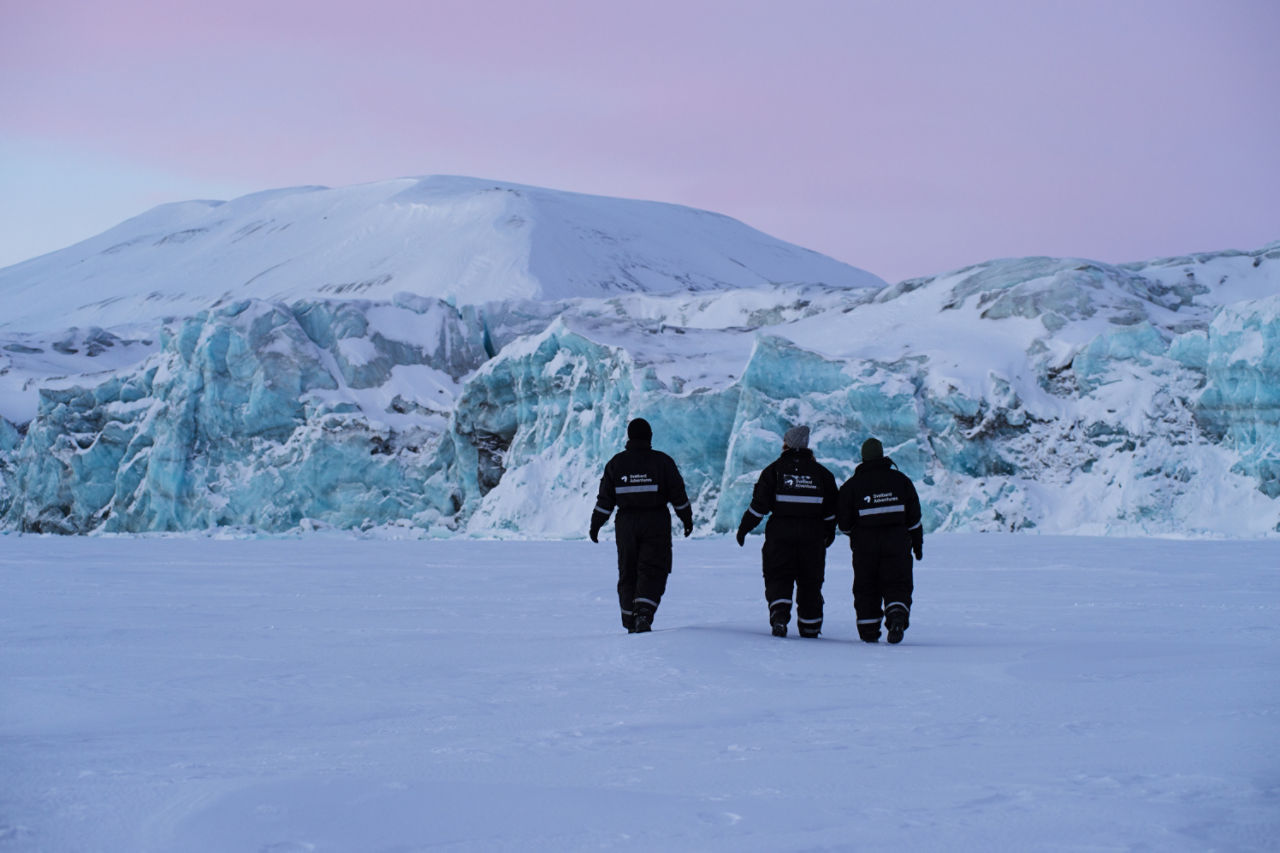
334 694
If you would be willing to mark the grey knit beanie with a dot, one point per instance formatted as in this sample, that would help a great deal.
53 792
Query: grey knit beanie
797 437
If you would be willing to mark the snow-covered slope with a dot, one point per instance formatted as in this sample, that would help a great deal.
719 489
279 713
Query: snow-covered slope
463 240
1055 395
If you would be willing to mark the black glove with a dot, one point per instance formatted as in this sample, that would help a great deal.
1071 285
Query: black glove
595 526
831 536
918 550
749 521
686 518
917 542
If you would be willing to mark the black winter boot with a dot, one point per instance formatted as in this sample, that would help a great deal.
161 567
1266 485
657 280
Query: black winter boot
896 621
779 629
644 620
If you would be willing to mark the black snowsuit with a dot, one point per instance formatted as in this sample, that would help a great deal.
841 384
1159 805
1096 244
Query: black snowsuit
640 482
880 510
799 496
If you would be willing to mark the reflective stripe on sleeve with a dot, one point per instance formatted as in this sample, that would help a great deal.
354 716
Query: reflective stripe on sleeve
752 510
601 509
629 490
684 505
800 499
914 526
878 510
829 518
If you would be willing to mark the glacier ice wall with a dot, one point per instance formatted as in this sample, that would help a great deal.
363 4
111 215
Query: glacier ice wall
257 415
1040 394
1240 405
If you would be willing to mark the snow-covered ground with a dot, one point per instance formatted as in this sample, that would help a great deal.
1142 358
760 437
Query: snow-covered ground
332 694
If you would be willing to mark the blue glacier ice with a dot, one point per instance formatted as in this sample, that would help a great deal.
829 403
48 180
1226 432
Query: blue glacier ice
250 415
1240 404
1039 394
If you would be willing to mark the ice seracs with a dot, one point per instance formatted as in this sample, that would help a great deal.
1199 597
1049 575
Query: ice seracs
1037 394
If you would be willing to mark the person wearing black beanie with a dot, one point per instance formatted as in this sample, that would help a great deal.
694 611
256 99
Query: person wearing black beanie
640 482
880 511
639 430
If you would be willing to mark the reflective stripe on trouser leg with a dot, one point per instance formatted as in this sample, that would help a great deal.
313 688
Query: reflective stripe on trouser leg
897 611
626 595
809 627
780 610
809 579
653 558
866 593
869 629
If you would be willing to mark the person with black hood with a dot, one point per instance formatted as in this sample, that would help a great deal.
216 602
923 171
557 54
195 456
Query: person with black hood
799 496
880 511
640 482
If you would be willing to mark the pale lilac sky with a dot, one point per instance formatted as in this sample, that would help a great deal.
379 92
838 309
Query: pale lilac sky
906 138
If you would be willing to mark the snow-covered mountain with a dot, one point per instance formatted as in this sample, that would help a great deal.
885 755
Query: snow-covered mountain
462 240
1055 395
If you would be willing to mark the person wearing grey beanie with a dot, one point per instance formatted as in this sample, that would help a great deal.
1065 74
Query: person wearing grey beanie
797 438
799 496
880 511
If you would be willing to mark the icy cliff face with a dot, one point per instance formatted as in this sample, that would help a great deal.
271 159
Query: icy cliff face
1037 394
256 415
1240 406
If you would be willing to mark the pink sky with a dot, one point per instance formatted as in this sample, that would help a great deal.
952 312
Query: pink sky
906 138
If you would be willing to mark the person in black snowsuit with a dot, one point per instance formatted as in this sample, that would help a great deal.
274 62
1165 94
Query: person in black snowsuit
640 482
880 511
799 496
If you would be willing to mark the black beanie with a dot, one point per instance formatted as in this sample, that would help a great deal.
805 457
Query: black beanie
872 449
639 430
